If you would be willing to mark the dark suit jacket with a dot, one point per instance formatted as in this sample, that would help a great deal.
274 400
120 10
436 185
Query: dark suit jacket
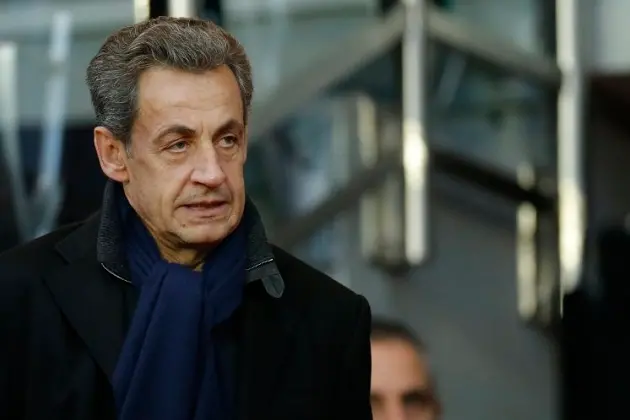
63 318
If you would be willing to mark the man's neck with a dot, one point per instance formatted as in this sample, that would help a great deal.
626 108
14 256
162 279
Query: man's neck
191 258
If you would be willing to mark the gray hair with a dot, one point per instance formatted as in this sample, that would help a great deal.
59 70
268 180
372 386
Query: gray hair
389 329
193 45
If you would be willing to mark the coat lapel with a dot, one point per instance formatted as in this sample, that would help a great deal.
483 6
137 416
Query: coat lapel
267 337
97 305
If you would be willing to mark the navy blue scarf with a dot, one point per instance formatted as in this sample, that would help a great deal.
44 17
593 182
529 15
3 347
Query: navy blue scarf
167 368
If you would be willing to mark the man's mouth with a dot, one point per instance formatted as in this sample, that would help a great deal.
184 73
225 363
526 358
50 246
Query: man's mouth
208 208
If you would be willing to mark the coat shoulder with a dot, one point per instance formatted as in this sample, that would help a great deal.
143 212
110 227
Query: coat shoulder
34 255
333 316
314 287
23 266
300 276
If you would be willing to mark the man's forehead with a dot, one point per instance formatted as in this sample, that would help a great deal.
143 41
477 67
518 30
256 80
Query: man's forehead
186 102
168 89
396 364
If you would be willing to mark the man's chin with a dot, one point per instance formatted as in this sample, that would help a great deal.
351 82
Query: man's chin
205 235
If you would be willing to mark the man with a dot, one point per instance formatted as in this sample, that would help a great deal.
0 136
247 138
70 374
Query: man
402 388
169 303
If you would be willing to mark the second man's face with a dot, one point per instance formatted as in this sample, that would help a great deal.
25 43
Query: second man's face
401 384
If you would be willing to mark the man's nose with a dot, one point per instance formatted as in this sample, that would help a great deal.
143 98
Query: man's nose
207 168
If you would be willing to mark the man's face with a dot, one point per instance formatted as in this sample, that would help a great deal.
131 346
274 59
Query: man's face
188 148
401 386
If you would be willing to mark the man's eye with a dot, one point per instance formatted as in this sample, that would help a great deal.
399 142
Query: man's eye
228 141
178 146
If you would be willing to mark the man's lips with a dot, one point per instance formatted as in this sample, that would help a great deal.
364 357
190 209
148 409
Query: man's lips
206 203
207 207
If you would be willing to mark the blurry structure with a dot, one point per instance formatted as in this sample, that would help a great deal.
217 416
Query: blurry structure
35 212
209 9
505 174
402 385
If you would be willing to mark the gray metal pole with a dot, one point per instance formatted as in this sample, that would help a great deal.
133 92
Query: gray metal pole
414 148
571 116
140 10
182 8
9 138
49 190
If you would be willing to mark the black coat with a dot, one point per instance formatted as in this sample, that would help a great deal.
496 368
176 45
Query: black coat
63 319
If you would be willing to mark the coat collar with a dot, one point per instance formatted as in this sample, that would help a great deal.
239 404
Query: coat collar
111 255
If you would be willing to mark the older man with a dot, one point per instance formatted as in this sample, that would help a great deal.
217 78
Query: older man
170 303
402 386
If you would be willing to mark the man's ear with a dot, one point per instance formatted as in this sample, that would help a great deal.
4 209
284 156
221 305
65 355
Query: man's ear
112 155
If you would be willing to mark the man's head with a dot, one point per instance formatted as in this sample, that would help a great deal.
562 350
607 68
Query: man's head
402 388
171 98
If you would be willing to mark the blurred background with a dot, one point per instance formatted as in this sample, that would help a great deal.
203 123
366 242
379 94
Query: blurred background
461 163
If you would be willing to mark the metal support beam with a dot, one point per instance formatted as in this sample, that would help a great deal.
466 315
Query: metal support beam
9 138
141 10
36 215
571 119
182 8
49 189
382 222
415 153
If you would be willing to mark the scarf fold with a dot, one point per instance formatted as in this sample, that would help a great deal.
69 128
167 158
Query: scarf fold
167 368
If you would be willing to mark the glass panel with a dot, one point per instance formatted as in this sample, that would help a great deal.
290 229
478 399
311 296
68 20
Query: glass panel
292 167
282 38
481 112
518 21
493 118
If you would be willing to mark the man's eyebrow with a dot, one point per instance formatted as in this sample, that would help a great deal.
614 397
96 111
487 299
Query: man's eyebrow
184 131
231 124
178 129
418 395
